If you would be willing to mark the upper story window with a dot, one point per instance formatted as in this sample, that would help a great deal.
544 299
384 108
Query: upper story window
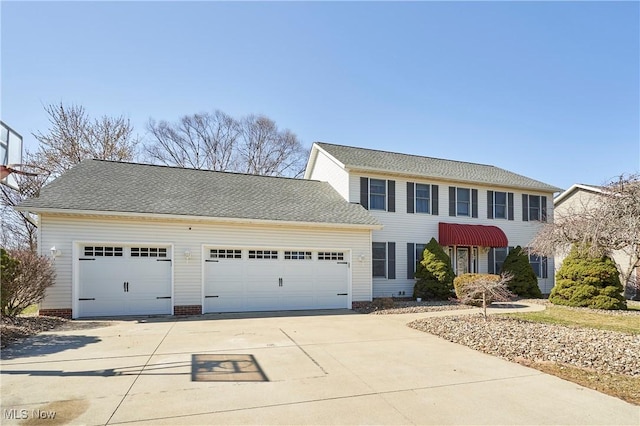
499 205
534 208
422 198
463 202
378 194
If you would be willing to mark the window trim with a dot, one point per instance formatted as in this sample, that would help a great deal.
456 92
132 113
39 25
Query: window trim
383 259
377 194
416 198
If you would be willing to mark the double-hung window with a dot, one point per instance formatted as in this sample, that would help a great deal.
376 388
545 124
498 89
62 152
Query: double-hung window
534 208
384 260
377 194
463 202
539 265
499 205
497 255
423 198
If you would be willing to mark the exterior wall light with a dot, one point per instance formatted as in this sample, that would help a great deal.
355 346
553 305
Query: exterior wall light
55 252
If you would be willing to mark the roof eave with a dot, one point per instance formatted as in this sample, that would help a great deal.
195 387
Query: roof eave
575 187
232 220
351 168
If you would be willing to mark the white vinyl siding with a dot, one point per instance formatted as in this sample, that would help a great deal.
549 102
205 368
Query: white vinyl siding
62 231
403 228
326 169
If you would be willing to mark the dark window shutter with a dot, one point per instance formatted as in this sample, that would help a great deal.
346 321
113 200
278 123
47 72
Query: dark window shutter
411 260
452 201
391 260
474 203
391 197
543 266
543 201
492 263
410 198
364 192
510 205
525 207
434 200
489 204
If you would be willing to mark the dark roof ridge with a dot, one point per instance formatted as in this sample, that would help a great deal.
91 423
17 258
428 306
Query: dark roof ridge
408 155
134 163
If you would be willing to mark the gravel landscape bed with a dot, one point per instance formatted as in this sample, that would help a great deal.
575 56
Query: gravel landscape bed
12 329
411 307
517 340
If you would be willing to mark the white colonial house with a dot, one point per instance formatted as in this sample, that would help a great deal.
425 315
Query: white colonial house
138 239
475 211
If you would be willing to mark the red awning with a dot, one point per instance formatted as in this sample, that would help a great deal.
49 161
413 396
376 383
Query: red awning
453 234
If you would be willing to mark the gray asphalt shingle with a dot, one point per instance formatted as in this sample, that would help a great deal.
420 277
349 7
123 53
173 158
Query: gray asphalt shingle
107 186
415 165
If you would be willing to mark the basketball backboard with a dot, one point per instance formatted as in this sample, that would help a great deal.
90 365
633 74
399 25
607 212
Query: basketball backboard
10 151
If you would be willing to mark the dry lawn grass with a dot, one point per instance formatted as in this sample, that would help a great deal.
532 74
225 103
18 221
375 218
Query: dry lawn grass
620 386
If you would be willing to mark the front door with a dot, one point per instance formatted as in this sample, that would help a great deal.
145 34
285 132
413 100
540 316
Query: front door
462 260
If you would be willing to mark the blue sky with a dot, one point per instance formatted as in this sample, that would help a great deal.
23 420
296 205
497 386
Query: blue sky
550 90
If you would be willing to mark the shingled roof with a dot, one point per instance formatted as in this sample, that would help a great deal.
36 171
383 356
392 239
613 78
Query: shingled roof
414 165
108 186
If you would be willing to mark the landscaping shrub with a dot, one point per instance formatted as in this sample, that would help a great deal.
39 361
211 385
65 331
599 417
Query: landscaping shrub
463 282
434 273
524 282
587 281
25 277
383 303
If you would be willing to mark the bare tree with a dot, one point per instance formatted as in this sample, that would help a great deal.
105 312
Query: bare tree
25 284
73 136
607 224
199 141
216 141
19 229
488 288
267 150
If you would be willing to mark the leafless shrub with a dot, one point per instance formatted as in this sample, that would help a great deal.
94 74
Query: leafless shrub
27 282
485 287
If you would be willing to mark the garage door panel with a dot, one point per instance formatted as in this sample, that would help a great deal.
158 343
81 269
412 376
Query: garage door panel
292 281
121 280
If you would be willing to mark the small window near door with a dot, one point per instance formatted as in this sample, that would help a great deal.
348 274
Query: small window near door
148 252
103 251
263 254
225 254
379 261
297 255
330 255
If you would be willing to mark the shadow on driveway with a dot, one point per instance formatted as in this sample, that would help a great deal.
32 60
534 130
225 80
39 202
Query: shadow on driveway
46 344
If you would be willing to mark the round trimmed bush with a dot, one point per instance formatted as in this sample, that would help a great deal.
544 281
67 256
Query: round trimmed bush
588 281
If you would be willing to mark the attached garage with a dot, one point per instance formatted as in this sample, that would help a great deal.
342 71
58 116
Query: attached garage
136 239
270 279
117 279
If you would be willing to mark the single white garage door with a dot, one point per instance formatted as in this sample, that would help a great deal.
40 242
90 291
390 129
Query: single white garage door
124 280
240 280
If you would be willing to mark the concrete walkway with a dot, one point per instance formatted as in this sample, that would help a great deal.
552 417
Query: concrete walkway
332 367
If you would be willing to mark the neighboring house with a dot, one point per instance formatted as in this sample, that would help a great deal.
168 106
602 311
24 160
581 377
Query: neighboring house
582 197
133 239
475 211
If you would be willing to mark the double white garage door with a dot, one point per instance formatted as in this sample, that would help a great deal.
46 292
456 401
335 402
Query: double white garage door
137 280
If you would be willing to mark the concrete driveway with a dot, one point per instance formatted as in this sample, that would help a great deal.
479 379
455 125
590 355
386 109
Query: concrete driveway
313 368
